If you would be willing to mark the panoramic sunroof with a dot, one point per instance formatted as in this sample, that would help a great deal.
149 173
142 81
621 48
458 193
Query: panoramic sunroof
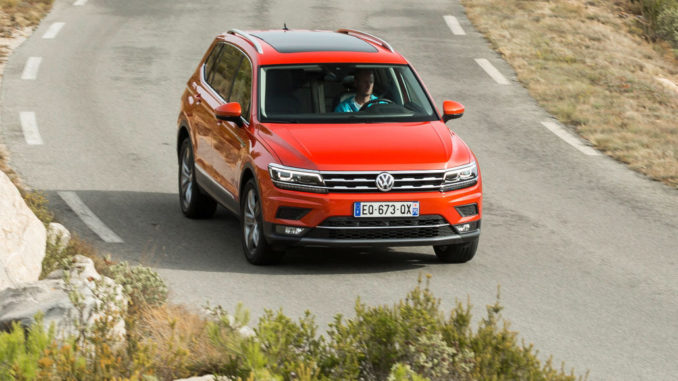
303 41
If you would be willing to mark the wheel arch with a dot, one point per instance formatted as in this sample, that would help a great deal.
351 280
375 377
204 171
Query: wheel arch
248 173
182 134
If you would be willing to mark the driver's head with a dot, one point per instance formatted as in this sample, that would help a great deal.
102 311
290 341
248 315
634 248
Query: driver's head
364 82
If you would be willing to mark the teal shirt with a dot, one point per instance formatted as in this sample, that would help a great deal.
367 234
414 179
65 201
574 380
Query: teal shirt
349 105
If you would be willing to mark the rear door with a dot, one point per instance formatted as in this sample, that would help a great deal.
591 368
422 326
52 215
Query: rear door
229 139
199 108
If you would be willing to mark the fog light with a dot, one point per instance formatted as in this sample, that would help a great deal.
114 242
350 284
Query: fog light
289 230
467 227
463 228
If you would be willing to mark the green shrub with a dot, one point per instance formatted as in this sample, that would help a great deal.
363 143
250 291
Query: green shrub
141 284
401 372
660 19
20 354
667 24
411 340
37 203
409 332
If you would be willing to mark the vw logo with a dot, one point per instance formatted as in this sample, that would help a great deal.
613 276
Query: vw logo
385 182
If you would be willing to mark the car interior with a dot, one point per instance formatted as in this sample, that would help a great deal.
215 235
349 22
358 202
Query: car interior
318 89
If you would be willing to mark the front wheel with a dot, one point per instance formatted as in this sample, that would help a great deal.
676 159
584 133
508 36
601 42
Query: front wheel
254 244
459 253
194 202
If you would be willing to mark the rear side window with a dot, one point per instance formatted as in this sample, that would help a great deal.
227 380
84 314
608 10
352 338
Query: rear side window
242 87
211 60
224 70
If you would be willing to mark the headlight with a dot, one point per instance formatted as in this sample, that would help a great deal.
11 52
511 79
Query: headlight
296 179
460 177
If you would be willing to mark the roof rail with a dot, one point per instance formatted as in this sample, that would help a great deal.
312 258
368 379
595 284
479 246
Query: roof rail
247 37
376 39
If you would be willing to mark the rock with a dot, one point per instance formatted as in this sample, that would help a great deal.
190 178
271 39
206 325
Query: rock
246 331
51 296
22 238
57 234
208 377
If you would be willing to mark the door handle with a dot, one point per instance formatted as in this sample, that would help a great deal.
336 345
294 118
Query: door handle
198 98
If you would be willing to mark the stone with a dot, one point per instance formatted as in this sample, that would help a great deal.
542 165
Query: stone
51 297
58 235
22 238
208 377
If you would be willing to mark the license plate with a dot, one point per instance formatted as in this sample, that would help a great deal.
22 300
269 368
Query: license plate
386 209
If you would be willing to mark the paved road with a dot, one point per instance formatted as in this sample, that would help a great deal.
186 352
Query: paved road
584 249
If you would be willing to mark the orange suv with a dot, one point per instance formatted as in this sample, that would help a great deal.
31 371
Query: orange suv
320 138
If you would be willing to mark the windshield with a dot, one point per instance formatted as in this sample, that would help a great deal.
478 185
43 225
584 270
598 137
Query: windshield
342 93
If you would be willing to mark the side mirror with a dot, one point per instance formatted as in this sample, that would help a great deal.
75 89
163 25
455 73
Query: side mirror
452 110
229 112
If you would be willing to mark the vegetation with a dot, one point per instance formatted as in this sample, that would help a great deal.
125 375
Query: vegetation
411 340
588 63
19 14
660 19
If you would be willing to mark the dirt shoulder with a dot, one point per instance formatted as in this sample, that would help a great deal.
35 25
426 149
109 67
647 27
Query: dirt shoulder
586 62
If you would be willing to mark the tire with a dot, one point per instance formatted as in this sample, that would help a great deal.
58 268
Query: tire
194 202
459 253
254 244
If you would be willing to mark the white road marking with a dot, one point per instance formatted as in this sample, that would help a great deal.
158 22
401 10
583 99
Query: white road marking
492 71
30 128
80 2
53 30
31 68
454 25
91 220
569 138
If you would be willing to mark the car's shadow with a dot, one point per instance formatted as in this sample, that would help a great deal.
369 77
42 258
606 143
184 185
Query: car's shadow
157 234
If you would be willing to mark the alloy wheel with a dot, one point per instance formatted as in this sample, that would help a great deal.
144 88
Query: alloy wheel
186 180
251 223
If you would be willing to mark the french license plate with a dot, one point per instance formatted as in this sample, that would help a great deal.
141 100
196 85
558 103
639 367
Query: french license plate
386 209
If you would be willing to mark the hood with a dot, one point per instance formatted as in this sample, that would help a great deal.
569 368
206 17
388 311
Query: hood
366 147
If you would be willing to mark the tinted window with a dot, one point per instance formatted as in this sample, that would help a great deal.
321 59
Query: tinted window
209 64
242 87
224 70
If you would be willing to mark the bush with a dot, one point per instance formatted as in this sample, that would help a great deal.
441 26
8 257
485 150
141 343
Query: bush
141 284
661 19
20 354
409 341
667 25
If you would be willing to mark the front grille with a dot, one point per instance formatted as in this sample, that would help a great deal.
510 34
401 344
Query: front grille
345 228
362 182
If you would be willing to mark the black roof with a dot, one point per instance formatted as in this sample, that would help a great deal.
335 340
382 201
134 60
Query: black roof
307 41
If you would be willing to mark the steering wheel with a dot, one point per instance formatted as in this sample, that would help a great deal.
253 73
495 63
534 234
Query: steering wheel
375 101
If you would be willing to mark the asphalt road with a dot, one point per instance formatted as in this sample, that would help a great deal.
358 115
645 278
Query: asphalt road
583 248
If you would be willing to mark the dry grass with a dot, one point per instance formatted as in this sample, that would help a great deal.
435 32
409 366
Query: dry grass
180 341
20 14
586 63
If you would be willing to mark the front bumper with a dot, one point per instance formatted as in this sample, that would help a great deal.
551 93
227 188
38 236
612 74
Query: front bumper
434 226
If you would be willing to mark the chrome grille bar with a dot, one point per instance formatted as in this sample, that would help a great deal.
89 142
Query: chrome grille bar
366 181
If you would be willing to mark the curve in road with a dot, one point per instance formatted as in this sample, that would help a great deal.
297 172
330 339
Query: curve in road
583 248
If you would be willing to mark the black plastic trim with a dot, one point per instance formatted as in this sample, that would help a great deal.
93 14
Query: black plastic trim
281 241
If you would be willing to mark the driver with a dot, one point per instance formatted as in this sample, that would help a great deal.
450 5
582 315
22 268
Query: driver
364 85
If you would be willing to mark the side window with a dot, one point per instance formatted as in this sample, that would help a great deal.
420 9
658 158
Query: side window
224 70
242 87
209 64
